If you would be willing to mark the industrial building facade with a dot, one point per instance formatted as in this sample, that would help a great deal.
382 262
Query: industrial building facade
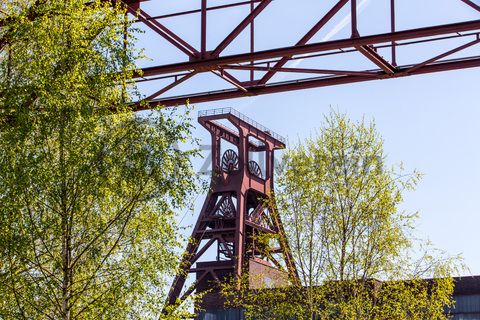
467 299
466 296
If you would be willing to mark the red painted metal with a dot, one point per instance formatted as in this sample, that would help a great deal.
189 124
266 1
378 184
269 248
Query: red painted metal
213 8
235 209
373 56
171 85
471 4
443 55
300 70
254 74
252 41
213 63
163 31
353 15
313 83
249 19
309 35
203 29
392 29
229 78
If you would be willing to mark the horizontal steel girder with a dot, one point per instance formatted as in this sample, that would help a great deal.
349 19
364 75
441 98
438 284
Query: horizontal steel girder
251 72
313 83
204 65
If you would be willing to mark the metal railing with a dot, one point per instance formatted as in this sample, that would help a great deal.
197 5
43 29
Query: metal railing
241 116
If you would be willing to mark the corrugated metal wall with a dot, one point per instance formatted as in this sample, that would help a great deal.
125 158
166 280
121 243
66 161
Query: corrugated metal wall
466 307
231 314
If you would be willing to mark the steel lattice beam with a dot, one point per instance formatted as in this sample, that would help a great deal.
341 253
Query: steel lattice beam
260 67
312 83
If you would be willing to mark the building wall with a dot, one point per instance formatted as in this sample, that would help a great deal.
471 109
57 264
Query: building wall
263 275
467 307
466 297
216 314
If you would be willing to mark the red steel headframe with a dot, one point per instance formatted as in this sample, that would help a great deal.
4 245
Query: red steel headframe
237 211
268 63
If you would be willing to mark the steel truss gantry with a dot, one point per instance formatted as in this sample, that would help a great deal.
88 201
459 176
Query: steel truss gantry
268 63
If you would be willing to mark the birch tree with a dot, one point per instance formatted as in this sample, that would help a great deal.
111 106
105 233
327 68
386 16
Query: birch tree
88 188
353 246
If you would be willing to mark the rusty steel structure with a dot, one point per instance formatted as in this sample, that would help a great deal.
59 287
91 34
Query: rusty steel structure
236 211
259 67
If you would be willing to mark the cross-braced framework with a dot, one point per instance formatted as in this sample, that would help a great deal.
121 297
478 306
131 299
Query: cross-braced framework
238 213
251 72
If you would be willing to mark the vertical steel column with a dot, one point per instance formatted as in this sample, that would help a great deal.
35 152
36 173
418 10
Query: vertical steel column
216 144
392 23
239 242
203 29
354 19
239 250
252 40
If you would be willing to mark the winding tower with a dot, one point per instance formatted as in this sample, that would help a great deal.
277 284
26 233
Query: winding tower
236 210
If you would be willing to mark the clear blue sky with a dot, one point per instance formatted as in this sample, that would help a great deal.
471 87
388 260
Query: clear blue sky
429 122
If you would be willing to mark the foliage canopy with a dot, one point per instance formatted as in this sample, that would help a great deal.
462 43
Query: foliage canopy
88 188
352 245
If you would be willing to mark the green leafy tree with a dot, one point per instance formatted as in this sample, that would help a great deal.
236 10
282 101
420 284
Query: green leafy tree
352 246
88 188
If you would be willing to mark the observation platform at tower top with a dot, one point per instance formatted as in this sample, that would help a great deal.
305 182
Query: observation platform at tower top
244 118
